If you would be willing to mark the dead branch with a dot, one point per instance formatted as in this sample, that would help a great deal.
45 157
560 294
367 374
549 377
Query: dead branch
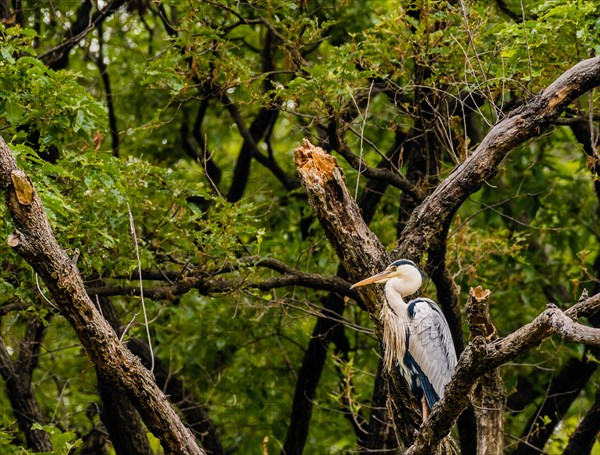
358 249
489 396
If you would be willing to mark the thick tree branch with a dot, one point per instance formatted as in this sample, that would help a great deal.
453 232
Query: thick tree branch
479 358
358 249
519 125
329 330
34 240
195 414
125 428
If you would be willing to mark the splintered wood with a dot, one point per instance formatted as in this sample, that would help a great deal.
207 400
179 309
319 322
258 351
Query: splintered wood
313 163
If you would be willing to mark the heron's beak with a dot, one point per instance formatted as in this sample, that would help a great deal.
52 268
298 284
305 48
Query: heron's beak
372 279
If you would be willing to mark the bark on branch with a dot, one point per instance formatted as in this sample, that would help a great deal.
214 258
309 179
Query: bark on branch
34 240
206 285
480 357
361 253
520 125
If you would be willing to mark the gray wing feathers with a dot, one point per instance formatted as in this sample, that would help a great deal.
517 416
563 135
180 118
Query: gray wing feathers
431 344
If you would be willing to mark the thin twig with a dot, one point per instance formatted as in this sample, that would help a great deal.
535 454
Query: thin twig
98 305
362 135
591 119
529 84
493 108
37 283
137 254
128 326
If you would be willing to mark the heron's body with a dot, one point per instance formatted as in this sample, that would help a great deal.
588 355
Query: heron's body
416 336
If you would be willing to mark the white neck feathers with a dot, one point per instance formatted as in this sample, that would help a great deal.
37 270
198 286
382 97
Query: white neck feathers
394 314
394 338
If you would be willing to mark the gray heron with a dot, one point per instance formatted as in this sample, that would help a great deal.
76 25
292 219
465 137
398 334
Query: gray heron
416 336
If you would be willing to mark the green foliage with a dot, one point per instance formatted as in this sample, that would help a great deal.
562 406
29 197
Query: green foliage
530 234
62 442
35 98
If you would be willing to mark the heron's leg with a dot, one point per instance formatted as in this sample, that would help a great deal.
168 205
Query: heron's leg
425 408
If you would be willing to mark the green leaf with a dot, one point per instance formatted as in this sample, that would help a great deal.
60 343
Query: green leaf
14 112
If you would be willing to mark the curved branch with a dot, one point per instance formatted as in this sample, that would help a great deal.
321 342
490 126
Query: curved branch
58 57
479 358
520 125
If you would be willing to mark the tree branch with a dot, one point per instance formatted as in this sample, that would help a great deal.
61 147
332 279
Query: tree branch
517 127
34 240
479 358
58 57
112 116
208 282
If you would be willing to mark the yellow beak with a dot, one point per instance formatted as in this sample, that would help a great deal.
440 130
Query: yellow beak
373 279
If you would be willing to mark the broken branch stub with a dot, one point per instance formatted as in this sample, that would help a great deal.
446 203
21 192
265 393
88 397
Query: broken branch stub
358 249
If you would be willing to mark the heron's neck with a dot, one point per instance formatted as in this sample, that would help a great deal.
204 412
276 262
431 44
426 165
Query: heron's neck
393 293
394 315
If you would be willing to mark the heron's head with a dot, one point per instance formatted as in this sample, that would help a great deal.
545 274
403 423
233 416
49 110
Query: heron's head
403 274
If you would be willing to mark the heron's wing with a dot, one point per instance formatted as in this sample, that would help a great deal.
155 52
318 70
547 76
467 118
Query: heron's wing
430 345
